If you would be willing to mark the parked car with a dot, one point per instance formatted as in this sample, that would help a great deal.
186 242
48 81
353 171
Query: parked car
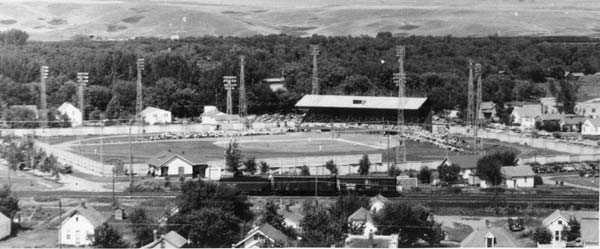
515 224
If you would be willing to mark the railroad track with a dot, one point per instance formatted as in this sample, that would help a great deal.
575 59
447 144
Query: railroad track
412 197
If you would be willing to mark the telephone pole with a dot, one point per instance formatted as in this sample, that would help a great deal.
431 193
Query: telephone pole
43 102
139 104
82 80
470 97
400 80
243 104
229 86
314 51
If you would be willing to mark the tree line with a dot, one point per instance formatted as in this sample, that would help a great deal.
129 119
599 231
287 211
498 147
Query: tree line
184 75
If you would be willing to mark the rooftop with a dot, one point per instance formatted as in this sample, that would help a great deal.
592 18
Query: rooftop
150 109
95 217
528 111
362 214
517 171
172 238
165 156
361 102
268 231
478 238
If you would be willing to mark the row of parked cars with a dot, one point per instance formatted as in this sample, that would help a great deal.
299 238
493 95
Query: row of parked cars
566 167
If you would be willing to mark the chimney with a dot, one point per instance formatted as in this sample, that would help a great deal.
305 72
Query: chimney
371 240
155 234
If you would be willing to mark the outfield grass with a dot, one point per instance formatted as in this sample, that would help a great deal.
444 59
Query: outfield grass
576 179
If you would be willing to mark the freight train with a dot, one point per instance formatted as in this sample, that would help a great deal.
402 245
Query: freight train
295 185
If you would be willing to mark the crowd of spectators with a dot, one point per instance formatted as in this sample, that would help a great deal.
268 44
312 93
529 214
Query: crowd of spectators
441 140
204 134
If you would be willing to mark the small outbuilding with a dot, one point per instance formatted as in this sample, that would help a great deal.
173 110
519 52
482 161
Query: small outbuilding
264 236
518 176
171 164
171 240
153 115
72 112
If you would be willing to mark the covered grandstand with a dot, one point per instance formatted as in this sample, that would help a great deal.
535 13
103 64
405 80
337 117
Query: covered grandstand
365 109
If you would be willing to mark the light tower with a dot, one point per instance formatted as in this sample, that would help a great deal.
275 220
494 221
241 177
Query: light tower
471 97
139 104
400 80
82 80
243 104
314 51
478 114
229 86
43 104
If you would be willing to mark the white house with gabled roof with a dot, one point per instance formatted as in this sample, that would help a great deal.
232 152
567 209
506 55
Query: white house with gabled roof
591 127
78 224
153 115
72 112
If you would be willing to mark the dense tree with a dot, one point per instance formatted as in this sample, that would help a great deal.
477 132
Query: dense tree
542 235
9 204
18 117
199 194
184 75
319 227
449 174
264 167
233 158
250 165
424 175
105 236
142 226
269 215
304 170
573 231
411 223
364 164
490 169
330 165
13 37
207 227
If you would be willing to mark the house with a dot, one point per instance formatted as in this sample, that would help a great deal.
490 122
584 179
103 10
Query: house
153 115
378 202
264 236
550 120
32 108
556 222
5 226
78 224
276 83
211 115
371 241
171 240
549 105
589 108
72 112
451 114
518 176
591 127
488 110
489 237
362 218
525 115
167 163
467 164
405 182
572 123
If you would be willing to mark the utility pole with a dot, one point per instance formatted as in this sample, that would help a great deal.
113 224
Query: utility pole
229 86
102 142
59 223
139 104
82 80
478 114
400 80
43 104
243 104
314 51
130 161
470 97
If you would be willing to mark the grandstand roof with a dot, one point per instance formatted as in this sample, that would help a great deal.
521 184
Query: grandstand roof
362 102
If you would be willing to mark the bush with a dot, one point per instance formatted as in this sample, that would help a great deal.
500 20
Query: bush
537 180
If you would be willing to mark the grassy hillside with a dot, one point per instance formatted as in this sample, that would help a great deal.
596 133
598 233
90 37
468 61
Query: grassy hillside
62 19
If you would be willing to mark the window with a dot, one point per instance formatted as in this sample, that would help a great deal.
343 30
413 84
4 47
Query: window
255 237
557 235
526 179
358 101
593 110
76 218
560 222
68 234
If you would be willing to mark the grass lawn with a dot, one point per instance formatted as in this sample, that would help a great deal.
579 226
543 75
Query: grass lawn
576 179
458 231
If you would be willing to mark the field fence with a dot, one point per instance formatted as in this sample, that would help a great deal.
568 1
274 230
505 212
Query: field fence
78 162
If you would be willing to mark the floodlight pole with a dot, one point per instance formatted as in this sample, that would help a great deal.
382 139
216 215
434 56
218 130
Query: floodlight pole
229 86
314 51
130 161
43 103
400 80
